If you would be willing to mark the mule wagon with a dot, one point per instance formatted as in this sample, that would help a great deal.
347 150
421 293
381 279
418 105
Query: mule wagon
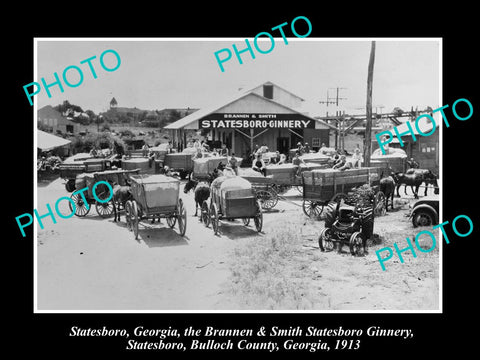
155 196
232 198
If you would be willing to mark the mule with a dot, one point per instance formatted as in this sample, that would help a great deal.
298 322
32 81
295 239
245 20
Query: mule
201 191
429 178
414 180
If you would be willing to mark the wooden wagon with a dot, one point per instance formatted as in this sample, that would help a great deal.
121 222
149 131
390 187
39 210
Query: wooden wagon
328 185
228 201
77 165
287 175
265 190
181 162
203 167
104 209
155 196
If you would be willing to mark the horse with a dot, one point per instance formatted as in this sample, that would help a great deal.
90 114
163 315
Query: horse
387 186
429 178
201 190
414 180
121 194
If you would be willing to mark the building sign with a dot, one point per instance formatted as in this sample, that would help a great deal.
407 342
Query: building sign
256 121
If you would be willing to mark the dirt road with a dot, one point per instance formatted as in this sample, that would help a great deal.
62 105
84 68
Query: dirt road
92 263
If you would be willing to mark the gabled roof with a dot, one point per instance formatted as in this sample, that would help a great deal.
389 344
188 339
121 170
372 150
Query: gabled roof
271 83
46 141
199 114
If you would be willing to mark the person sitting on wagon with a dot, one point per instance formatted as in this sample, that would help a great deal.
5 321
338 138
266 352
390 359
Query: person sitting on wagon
282 160
340 163
356 158
233 163
198 154
224 150
297 161
412 163
306 148
300 148
259 165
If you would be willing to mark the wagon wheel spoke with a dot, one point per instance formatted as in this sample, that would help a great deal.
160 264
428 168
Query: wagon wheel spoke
81 208
104 209
312 209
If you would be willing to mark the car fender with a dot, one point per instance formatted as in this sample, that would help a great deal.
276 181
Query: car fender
425 207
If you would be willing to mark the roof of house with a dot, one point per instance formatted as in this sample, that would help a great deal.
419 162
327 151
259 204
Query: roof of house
48 112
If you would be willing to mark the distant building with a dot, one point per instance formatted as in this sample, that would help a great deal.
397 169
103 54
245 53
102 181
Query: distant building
56 122
113 103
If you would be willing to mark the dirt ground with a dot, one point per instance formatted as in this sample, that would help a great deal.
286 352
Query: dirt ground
92 263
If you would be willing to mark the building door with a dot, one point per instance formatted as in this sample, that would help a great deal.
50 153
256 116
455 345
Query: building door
283 145
295 139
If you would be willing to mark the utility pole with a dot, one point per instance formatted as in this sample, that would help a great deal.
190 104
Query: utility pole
368 127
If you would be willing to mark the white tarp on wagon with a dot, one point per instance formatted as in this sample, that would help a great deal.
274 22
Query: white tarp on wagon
47 142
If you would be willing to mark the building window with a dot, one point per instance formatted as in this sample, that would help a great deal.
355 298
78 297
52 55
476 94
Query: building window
268 91
315 142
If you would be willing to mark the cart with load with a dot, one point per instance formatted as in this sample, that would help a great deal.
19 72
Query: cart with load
181 162
204 167
101 191
285 176
320 187
155 196
264 189
78 164
232 198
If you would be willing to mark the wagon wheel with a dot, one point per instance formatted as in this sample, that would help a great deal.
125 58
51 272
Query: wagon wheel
356 244
102 191
205 214
246 221
128 214
81 208
300 189
325 242
258 219
171 221
268 198
181 217
104 209
135 219
214 217
380 201
312 209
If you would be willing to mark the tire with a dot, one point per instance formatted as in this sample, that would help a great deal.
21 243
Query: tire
356 244
368 223
104 210
81 208
380 204
135 219
312 209
214 218
268 198
423 218
205 214
325 243
330 214
258 219
128 214
182 218
70 185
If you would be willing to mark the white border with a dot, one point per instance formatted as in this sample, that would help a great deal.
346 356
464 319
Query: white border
379 39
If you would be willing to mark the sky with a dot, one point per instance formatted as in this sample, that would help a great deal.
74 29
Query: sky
178 73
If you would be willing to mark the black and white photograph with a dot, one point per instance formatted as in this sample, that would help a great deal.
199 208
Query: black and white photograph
238 186
296 181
